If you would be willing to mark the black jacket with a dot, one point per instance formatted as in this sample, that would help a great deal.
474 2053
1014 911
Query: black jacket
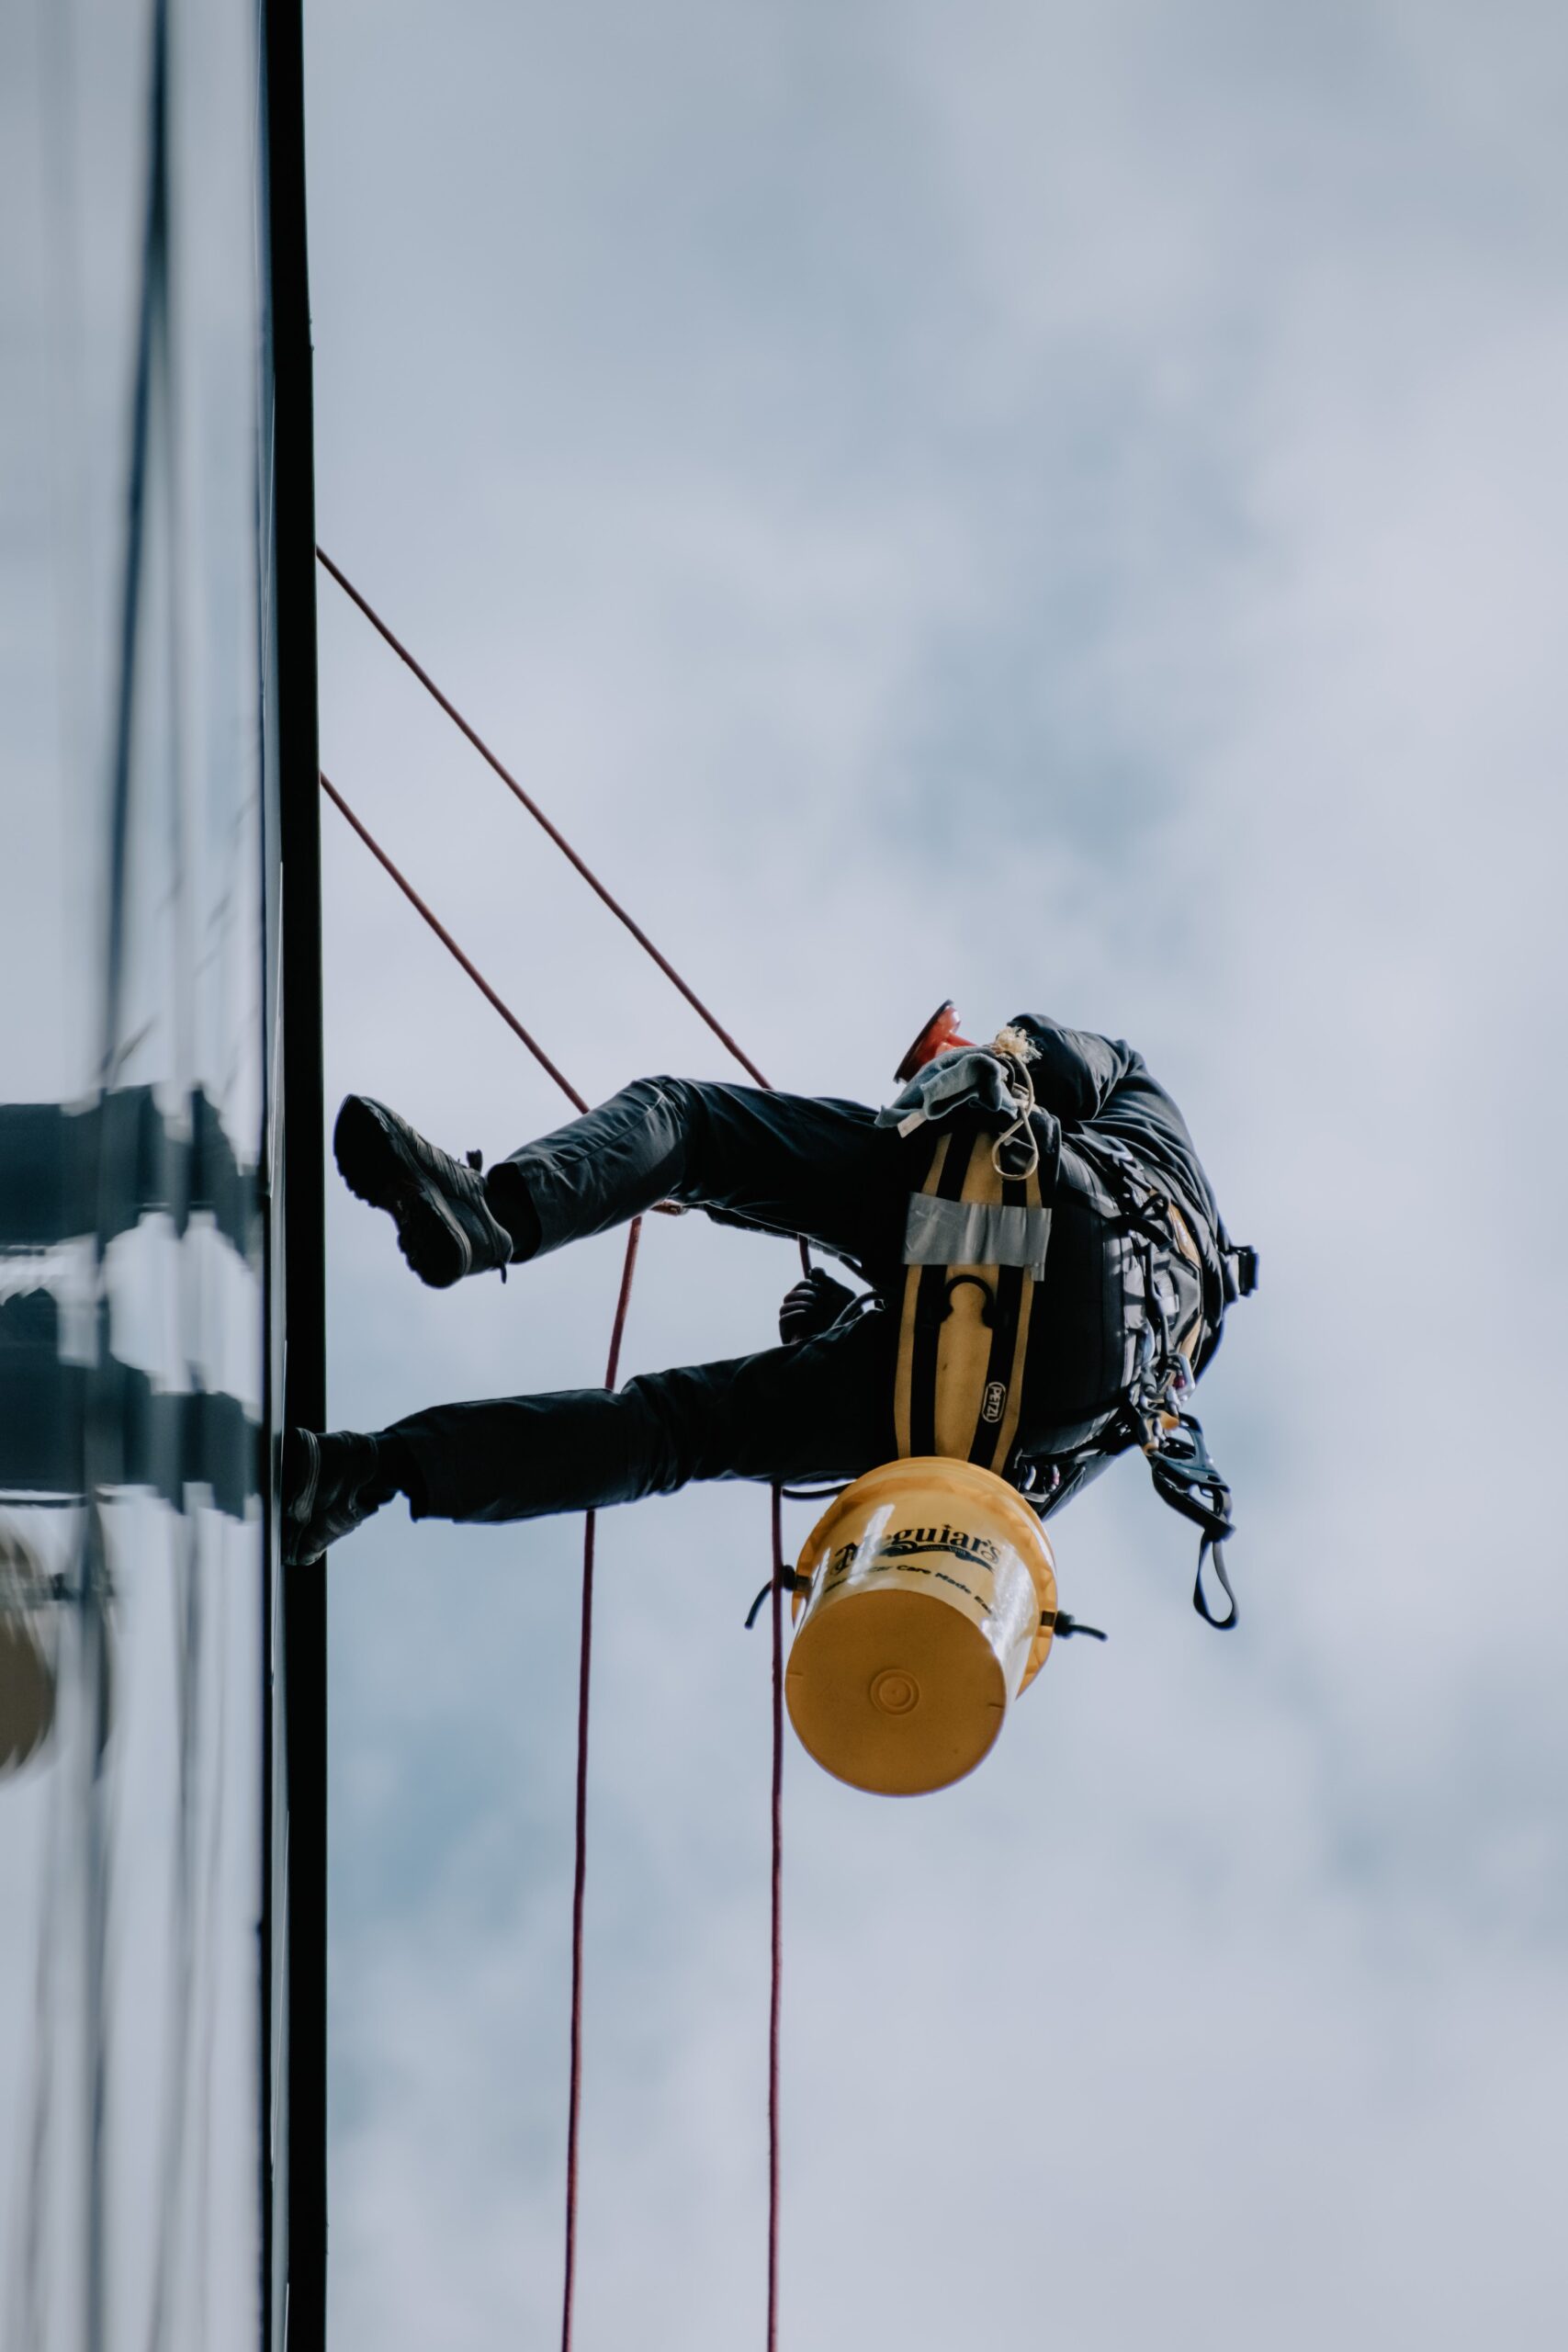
1084 1335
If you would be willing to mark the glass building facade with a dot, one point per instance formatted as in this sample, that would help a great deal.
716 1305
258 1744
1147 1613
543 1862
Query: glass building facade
143 1818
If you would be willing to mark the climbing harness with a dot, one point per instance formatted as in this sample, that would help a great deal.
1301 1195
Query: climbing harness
975 1248
1176 1334
925 1597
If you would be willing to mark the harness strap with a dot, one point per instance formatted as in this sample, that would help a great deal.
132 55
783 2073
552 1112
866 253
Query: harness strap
1212 1547
1185 1478
1189 1339
963 1332
1240 1264
963 1335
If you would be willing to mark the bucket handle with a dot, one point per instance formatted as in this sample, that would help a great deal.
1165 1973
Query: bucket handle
1064 1626
787 1580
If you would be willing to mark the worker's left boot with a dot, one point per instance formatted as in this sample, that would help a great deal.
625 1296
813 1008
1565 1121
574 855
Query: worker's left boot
332 1482
445 1229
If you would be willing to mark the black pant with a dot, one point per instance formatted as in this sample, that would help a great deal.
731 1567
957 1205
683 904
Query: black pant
820 1409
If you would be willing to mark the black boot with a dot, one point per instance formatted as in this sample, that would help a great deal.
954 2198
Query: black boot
331 1484
444 1226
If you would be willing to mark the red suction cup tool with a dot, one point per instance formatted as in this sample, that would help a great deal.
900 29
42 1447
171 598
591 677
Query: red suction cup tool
940 1034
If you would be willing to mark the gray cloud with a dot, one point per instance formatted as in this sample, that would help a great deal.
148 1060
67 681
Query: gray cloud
1049 506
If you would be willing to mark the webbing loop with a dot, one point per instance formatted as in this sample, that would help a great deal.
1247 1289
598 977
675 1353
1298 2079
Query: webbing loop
1212 1547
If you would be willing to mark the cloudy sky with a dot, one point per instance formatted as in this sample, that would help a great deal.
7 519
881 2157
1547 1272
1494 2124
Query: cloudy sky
1060 507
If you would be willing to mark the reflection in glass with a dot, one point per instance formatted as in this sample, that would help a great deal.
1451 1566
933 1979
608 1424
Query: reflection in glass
133 1233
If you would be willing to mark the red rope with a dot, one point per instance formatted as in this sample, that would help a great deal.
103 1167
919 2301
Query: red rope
777 1974
585 1658
580 1859
580 1873
531 805
442 934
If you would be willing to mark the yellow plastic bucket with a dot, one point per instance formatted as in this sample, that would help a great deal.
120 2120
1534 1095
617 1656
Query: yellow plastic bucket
930 1603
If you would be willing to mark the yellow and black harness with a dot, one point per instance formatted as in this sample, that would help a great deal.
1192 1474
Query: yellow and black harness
975 1252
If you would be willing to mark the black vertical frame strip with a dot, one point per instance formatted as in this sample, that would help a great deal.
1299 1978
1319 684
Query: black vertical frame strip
303 1649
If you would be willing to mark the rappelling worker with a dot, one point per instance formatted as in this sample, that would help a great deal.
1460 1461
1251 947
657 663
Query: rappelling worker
1040 1194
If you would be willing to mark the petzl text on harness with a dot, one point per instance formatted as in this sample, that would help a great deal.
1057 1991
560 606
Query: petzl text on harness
975 1248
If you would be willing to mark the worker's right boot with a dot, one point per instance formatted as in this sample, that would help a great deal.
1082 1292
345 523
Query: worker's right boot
445 1229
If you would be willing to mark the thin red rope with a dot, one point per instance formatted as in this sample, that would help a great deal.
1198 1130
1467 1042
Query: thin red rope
531 805
442 934
579 1863
776 1975
580 1873
585 1656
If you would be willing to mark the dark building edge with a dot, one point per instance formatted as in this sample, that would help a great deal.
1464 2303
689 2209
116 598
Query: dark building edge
295 2086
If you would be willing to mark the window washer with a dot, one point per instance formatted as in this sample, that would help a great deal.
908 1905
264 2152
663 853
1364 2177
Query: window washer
1046 1273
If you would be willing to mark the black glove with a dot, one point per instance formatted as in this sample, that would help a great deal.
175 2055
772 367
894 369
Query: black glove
814 1303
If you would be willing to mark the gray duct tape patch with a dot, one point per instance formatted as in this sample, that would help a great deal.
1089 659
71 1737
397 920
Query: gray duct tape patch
974 1233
